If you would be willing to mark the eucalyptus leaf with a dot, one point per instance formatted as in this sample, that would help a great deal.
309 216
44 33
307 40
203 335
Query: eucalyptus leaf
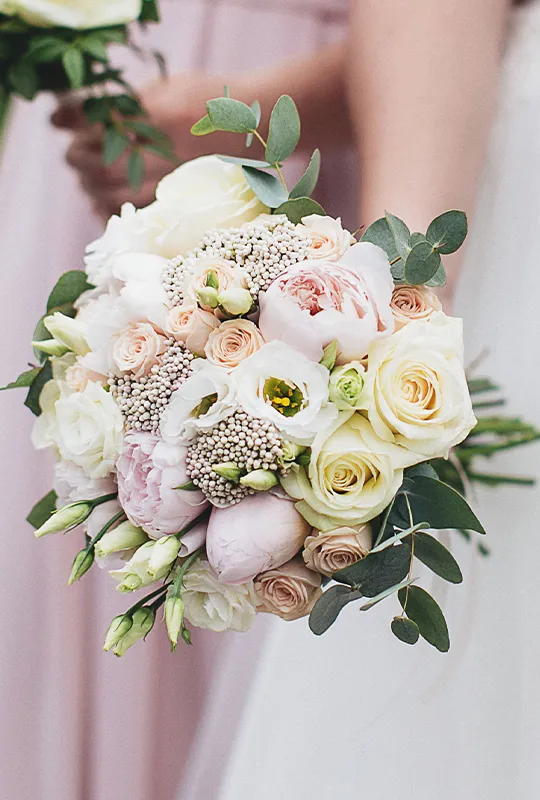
299 208
231 115
435 556
256 108
420 606
247 162
284 130
387 593
73 61
328 607
68 289
307 183
135 169
203 127
401 234
399 536
24 380
439 279
116 143
34 392
415 238
405 630
448 231
421 264
425 468
378 571
437 503
268 188
42 510
379 233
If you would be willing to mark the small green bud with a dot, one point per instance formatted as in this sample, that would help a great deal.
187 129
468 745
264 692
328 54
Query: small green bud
329 356
186 635
143 622
208 297
130 583
346 386
174 618
236 301
67 331
212 280
51 347
124 537
260 479
228 470
291 451
117 629
66 518
81 565
164 554
304 458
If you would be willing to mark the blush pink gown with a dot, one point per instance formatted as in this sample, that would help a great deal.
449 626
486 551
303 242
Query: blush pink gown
76 723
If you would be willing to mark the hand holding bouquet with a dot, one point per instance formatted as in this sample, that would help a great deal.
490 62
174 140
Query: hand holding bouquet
244 401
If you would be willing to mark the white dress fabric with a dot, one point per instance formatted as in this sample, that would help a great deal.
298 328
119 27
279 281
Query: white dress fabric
356 714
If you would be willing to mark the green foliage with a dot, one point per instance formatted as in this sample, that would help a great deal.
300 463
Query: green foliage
419 606
299 208
231 115
116 144
400 233
405 630
34 392
24 380
421 264
307 183
328 607
284 130
256 108
435 556
247 162
379 233
42 510
135 169
434 502
377 572
73 61
68 289
447 232
149 11
268 188
203 127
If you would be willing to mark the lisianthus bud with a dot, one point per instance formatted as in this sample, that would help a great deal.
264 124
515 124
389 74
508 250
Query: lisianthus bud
67 331
117 630
228 470
291 451
136 572
260 479
164 554
208 297
329 355
174 618
66 518
81 565
236 301
142 623
124 537
346 385
51 347
212 279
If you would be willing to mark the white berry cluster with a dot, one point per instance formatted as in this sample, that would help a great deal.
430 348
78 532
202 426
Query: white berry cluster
143 400
245 441
263 249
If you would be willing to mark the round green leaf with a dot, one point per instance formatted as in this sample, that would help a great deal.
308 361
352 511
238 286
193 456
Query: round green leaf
299 208
68 289
231 115
435 556
328 607
377 572
284 130
307 183
405 630
420 606
401 234
203 127
379 233
268 188
447 232
421 264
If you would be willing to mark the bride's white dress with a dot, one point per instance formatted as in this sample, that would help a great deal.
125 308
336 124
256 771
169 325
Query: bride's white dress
355 714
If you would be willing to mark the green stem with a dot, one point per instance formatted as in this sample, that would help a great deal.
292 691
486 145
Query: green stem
188 563
140 603
100 500
104 530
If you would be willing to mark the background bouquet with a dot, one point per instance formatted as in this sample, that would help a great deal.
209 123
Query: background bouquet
246 404
63 45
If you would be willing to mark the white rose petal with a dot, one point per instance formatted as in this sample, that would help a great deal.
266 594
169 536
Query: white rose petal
217 606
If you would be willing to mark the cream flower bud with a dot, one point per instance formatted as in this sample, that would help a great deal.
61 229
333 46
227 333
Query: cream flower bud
174 618
164 554
236 301
346 386
51 347
117 630
66 518
291 451
125 536
260 479
83 561
135 573
228 470
143 622
208 297
67 331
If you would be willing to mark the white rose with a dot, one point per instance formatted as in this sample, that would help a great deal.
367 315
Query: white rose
280 384
78 14
201 195
217 606
206 398
352 476
328 240
416 390
88 429
45 430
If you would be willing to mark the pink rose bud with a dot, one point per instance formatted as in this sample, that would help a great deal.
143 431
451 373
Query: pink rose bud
259 533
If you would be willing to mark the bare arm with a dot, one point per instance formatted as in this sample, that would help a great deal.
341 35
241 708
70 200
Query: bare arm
423 77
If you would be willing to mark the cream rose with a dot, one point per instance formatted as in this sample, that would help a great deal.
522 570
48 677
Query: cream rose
191 325
289 591
136 349
77 377
78 14
232 343
201 195
226 273
327 238
352 475
416 390
413 302
337 549
217 606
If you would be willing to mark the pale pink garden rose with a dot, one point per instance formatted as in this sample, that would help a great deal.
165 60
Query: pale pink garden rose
232 343
328 240
412 303
78 376
149 472
228 275
329 552
191 325
315 303
261 532
137 348
289 592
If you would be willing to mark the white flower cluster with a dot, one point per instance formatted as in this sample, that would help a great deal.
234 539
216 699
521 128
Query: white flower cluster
253 388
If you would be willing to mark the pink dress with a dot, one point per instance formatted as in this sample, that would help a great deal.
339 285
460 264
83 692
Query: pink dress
75 723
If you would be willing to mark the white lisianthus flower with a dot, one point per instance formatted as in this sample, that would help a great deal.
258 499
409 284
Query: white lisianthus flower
328 239
280 384
352 476
77 14
137 572
45 430
217 606
200 195
416 389
206 398
88 429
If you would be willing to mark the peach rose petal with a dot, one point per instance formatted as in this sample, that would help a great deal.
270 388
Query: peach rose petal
289 592
232 343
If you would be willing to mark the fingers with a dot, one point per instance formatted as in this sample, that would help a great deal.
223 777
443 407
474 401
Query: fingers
69 116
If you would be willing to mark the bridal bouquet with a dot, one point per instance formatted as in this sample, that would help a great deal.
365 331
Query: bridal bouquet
245 402
61 45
